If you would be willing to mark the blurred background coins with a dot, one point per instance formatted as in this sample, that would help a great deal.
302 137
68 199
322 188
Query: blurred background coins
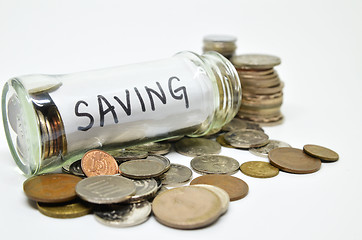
264 150
105 189
235 187
293 160
51 188
193 147
223 44
262 94
323 153
187 207
123 215
73 209
214 164
97 162
259 169
246 138
152 166
177 175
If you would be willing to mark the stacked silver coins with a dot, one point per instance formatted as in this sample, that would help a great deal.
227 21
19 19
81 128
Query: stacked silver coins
262 89
223 44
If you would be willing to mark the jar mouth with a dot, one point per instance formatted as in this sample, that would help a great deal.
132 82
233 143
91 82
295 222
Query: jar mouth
21 128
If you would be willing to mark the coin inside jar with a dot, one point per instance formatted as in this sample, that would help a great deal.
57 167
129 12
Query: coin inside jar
323 153
214 164
259 169
197 146
246 138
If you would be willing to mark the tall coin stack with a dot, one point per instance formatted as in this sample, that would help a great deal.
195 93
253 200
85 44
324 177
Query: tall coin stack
262 94
223 44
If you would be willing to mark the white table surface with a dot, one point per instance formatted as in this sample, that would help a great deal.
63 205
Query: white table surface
320 44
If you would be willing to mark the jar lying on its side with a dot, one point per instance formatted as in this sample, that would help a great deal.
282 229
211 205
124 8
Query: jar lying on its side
50 120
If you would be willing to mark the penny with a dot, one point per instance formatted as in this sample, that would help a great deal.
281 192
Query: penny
323 153
97 162
126 155
176 175
255 61
259 169
263 151
156 148
246 138
51 188
235 187
187 207
214 164
73 209
221 140
221 193
293 160
76 169
123 215
197 146
152 166
145 189
105 189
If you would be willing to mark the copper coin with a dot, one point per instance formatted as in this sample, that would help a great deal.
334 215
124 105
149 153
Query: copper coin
51 188
323 153
97 162
293 160
235 187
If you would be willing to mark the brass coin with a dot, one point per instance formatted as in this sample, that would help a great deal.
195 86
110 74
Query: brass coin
265 90
214 164
255 61
197 146
220 139
177 175
293 160
187 207
263 151
156 148
73 209
235 187
97 162
259 169
51 188
246 138
323 153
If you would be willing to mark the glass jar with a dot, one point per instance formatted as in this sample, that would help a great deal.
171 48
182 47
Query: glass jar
51 120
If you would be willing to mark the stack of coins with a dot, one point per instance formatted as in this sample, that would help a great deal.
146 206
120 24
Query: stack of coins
262 94
223 44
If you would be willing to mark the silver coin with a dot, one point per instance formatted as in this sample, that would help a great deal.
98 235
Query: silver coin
214 164
105 189
197 146
158 148
246 138
123 215
152 166
221 193
126 155
76 169
235 124
176 175
145 189
255 61
263 151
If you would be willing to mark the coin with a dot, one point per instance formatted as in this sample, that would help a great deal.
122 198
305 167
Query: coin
51 188
73 209
221 193
235 187
156 148
76 169
97 162
152 166
220 139
105 189
246 138
235 124
293 160
197 146
263 151
214 164
259 169
255 61
145 189
123 215
177 175
126 155
323 153
187 207
224 44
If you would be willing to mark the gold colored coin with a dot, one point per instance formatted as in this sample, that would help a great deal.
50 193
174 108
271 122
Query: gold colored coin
259 169
73 209
320 152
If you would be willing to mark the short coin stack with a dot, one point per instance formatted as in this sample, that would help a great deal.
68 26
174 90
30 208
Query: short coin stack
262 94
223 44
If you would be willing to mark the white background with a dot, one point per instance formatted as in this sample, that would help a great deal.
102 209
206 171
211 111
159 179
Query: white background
320 44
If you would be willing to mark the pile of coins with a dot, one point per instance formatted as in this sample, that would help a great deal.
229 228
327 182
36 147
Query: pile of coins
223 44
262 94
